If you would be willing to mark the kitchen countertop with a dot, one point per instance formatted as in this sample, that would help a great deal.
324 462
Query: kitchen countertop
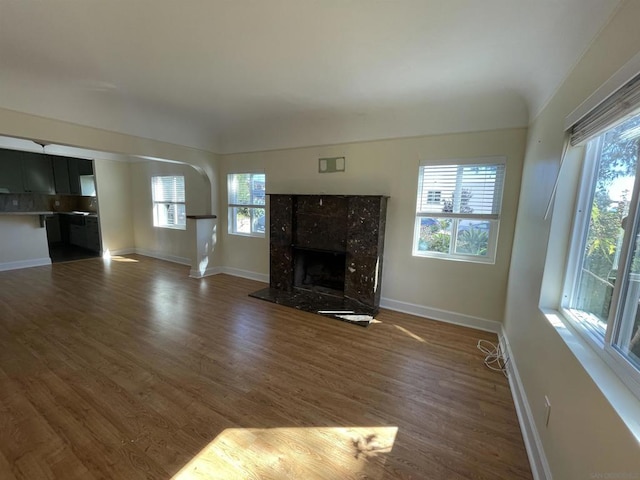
84 214
27 213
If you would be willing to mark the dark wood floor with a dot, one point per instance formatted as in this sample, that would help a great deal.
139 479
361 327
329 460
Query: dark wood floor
130 370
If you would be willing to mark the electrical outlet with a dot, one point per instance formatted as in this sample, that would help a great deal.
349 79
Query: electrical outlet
547 407
15 203
57 203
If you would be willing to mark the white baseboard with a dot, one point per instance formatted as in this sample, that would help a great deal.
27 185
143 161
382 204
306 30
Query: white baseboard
236 272
32 262
209 271
442 315
163 256
532 442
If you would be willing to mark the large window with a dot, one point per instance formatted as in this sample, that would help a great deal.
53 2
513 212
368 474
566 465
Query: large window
602 287
246 194
458 210
169 209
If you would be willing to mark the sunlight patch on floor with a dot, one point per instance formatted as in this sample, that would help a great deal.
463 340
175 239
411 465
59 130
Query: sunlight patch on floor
411 334
300 453
107 257
118 258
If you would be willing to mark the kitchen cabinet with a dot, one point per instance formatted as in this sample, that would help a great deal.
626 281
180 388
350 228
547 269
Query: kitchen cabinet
84 232
77 167
37 173
28 172
61 174
92 234
10 172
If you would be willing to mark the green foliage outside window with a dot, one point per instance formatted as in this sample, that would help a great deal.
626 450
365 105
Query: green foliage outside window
618 159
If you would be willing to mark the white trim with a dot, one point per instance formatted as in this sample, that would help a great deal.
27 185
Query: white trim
612 85
194 273
532 442
237 272
33 262
442 315
489 159
163 256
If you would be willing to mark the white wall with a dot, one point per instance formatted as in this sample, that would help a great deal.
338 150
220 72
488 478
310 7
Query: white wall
23 243
165 242
113 184
585 436
390 167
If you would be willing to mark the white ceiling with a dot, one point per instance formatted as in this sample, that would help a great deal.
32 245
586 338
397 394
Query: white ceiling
241 75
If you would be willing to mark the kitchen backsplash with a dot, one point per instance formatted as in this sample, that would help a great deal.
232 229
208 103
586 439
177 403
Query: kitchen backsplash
33 202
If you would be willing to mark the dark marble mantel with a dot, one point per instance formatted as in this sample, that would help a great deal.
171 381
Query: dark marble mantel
349 225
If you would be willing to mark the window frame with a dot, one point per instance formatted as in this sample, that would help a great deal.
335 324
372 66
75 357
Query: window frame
456 218
601 340
232 206
156 204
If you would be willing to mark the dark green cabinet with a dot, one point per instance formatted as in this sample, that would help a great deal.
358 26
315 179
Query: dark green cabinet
37 173
61 175
28 172
77 167
10 172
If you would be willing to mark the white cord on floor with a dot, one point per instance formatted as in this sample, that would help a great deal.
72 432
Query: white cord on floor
495 358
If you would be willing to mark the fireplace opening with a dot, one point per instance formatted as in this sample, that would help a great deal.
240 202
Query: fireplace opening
320 271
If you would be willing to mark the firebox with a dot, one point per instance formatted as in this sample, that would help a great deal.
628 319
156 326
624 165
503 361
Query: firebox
319 271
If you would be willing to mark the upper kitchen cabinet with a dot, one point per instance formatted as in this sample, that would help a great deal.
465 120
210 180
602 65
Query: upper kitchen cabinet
78 167
28 172
37 173
10 172
68 173
61 175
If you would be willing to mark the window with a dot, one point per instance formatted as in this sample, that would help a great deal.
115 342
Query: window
169 209
246 194
458 210
602 286
434 196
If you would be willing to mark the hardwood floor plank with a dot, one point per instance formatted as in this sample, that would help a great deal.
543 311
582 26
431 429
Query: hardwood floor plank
129 369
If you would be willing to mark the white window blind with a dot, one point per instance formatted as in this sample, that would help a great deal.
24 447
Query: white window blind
168 196
168 189
621 104
464 190
458 209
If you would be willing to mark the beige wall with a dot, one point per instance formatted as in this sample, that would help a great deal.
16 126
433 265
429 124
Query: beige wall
585 436
113 185
165 242
390 167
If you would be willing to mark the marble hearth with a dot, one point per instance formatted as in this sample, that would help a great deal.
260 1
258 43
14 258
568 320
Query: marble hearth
326 254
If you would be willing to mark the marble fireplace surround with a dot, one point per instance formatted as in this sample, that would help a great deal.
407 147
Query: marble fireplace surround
338 241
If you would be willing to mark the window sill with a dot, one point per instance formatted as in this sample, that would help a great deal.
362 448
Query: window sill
621 398
250 235
166 227
456 258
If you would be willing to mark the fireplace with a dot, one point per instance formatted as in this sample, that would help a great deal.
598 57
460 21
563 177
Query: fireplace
326 254
319 271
